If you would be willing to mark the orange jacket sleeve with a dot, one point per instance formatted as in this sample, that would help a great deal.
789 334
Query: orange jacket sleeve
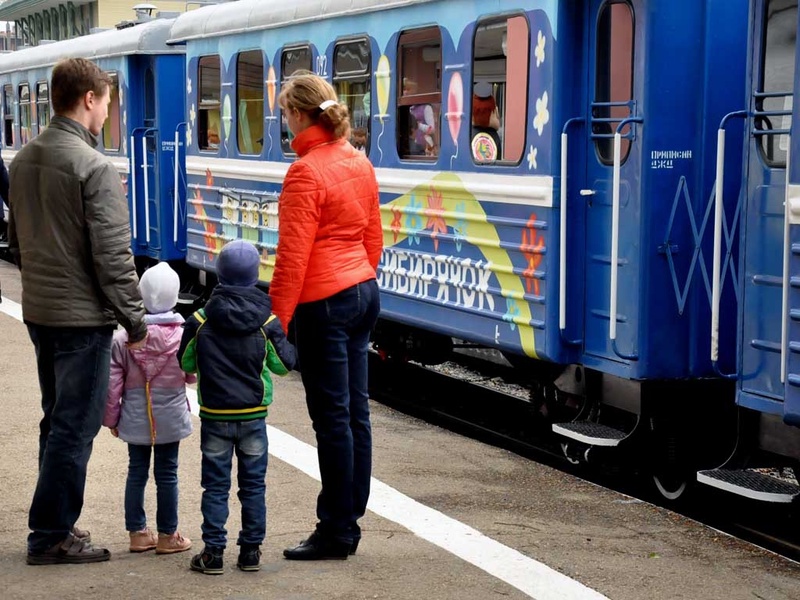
298 221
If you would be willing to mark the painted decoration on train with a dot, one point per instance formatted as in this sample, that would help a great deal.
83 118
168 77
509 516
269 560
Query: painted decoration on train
442 247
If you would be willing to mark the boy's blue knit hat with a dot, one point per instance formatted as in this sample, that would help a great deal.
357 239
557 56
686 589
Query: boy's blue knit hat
238 264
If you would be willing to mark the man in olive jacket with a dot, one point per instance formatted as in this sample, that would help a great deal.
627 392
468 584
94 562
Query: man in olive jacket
69 235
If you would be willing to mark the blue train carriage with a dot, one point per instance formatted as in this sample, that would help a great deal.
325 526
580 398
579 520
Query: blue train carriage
768 370
524 230
139 136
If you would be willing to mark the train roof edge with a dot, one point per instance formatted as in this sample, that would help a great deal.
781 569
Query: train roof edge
146 38
255 15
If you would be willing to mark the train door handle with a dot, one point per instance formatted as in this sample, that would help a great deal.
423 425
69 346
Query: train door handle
587 192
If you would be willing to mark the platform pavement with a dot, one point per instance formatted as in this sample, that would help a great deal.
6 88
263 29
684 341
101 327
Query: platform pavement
441 504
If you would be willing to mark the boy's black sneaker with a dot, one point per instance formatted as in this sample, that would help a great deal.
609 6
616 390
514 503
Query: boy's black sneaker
209 561
249 558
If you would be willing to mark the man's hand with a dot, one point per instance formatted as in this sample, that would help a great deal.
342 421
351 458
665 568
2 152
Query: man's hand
114 431
137 345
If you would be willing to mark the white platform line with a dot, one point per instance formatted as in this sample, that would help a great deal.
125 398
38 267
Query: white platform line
531 577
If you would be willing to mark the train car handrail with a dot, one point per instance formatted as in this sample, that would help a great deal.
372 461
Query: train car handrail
176 190
145 166
132 183
612 325
787 249
715 284
562 282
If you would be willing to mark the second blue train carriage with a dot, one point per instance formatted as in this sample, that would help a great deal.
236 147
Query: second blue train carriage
139 137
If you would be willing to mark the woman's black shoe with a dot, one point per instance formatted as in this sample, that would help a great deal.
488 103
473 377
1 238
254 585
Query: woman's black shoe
316 547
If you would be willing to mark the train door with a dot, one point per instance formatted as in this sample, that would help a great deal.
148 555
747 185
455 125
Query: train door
775 26
613 51
144 156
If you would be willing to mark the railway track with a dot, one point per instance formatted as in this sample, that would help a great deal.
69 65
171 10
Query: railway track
493 416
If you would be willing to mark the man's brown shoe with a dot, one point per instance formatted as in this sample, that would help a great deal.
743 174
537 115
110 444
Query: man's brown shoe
71 551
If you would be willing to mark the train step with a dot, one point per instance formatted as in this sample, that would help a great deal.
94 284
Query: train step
750 484
187 298
591 433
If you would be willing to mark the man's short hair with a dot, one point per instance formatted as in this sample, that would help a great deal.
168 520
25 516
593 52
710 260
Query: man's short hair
72 78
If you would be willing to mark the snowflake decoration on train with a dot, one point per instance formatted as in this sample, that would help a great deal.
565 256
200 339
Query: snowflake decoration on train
436 221
397 222
188 86
532 248
512 312
460 228
414 221
539 51
532 154
542 114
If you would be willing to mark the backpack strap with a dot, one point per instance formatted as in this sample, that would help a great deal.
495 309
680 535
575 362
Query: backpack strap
200 315
265 325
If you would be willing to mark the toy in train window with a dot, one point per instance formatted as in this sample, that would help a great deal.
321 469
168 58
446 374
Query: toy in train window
42 106
111 128
352 73
8 116
24 114
208 104
250 101
613 79
293 60
777 80
499 91
419 100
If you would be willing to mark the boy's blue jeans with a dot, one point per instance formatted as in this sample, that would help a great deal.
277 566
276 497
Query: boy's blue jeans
165 470
332 343
218 442
73 365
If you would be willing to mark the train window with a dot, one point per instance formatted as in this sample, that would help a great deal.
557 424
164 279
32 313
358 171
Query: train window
42 105
352 68
111 128
419 102
209 129
8 115
613 93
24 114
293 60
774 102
250 101
499 90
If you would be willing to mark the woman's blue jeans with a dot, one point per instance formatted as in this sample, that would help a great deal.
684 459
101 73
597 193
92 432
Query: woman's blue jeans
165 471
332 338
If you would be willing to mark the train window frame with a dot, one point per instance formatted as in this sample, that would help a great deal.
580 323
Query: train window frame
355 77
603 65
501 92
257 137
42 107
8 115
425 37
765 142
212 105
114 103
286 147
26 107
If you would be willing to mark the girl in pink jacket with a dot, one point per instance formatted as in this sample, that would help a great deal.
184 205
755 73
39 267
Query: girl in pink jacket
148 409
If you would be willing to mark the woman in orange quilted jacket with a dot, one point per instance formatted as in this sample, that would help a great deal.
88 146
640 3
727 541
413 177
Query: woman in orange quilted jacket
329 245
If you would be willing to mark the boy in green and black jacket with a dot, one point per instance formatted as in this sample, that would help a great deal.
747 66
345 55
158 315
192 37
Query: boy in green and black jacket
233 344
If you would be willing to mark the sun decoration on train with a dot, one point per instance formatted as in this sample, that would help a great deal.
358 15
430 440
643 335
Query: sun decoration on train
532 248
436 221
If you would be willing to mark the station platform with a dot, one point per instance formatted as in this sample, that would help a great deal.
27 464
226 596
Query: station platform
449 518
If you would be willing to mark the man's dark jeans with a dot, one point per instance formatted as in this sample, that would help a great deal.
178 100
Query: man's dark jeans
73 364
332 343
165 471
218 441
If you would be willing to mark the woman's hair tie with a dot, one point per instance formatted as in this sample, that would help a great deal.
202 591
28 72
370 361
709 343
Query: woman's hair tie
327 104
